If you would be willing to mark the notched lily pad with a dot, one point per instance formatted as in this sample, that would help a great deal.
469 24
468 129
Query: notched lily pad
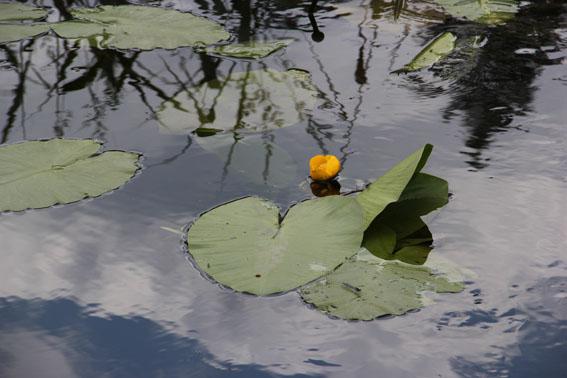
140 27
250 50
245 246
367 287
434 51
244 101
11 26
16 32
38 174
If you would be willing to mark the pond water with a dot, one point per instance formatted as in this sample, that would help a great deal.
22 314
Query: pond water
104 288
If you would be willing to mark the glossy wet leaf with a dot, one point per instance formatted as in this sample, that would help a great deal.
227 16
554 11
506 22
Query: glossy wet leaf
249 50
243 101
140 27
483 11
431 53
367 287
10 12
40 174
256 158
390 187
244 245
16 32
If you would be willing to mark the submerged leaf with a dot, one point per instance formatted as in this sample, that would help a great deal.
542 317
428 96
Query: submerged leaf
390 187
244 101
483 11
19 12
431 53
250 50
258 159
244 245
141 27
366 287
40 174
16 32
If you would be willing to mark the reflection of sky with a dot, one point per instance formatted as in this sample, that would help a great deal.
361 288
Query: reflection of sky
87 274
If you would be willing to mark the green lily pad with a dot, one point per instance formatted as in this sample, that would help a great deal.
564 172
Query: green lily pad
245 246
366 287
254 157
19 12
16 32
244 101
434 51
140 27
249 50
482 11
390 187
40 174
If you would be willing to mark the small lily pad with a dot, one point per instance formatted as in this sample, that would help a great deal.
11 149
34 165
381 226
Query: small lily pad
19 12
434 51
482 11
246 246
249 50
245 101
367 287
140 27
38 174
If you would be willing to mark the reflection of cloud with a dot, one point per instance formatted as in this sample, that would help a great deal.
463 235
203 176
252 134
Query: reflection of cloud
63 339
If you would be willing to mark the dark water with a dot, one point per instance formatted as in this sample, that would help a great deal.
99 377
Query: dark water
100 289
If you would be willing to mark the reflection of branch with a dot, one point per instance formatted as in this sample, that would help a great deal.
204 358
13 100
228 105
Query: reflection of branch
176 156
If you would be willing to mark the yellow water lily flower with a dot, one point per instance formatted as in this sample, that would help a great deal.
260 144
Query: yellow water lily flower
324 167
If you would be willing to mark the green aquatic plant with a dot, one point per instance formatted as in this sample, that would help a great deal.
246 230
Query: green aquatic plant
247 246
481 11
38 174
433 52
140 27
12 18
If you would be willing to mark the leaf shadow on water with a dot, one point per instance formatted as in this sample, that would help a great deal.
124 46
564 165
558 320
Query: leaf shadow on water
95 345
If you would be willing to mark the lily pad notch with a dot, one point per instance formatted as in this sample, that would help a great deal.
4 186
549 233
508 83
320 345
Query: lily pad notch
44 173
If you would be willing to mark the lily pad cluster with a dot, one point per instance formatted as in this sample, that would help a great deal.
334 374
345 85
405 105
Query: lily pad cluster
316 247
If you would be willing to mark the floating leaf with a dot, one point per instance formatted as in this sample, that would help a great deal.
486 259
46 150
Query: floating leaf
19 12
141 27
366 287
244 245
40 174
432 53
255 157
390 187
16 32
483 11
244 101
249 50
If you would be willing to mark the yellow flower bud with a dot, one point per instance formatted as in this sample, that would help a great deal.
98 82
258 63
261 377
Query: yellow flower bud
324 167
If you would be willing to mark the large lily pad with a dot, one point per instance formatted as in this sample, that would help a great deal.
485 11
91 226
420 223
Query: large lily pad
141 27
249 50
390 187
19 12
483 11
40 174
367 287
431 53
244 101
244 245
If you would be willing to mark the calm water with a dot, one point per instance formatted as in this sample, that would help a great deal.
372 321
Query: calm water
100 289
